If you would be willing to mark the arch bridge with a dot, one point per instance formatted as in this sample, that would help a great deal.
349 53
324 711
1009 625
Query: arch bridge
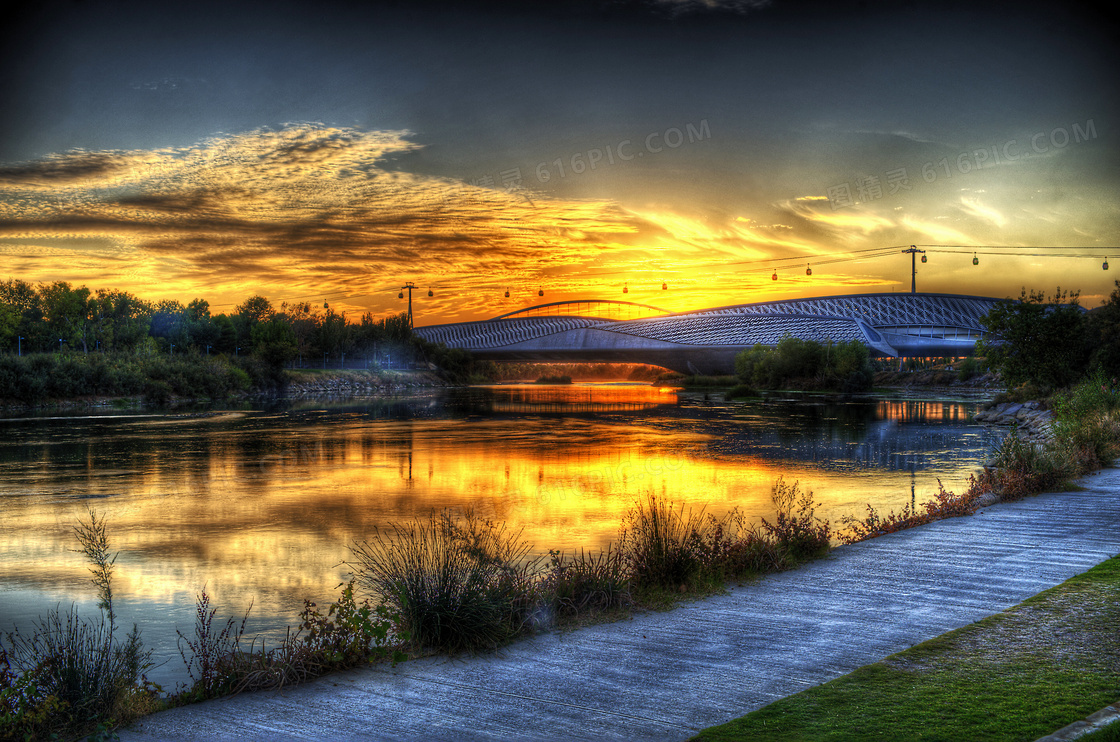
707 340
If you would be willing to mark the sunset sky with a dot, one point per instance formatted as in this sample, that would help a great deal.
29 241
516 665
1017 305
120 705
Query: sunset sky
333 151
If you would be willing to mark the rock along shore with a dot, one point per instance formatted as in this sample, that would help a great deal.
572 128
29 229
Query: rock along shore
1032 420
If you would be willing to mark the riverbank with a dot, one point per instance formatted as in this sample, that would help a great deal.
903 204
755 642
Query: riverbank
314 383
667 675
297 384
948 378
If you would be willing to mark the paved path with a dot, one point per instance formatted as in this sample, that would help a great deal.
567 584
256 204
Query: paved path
667 675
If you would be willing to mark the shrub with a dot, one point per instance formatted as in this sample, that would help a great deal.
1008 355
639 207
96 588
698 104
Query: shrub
796 527
944 504
347 635
586 582
753 552
454 583
1023 467
157 392
212 657
969 369
807 364
740 391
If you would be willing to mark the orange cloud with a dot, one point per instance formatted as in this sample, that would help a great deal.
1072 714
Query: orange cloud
309 212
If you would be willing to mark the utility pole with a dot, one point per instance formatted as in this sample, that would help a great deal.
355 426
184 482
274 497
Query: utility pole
409 287
400 295
914 267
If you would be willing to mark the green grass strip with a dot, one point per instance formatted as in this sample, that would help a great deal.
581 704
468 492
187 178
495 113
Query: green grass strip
1017 675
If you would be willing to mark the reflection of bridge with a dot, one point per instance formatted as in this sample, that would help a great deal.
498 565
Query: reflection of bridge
707 340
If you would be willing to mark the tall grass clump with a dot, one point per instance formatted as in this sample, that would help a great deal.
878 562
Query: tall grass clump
453 582
586 582
675 549
72 676
663 547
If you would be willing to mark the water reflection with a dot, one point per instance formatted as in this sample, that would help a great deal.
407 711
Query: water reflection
568 399
261 504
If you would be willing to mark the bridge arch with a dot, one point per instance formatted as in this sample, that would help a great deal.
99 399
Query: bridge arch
637 310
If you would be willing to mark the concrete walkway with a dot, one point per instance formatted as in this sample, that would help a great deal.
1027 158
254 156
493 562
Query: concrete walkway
665 676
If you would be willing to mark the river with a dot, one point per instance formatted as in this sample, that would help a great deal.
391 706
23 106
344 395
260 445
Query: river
258 505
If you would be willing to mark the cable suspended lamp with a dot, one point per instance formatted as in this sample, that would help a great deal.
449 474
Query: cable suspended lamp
808 270
923 258
625 289
975 260
1104 265
507 293
774 277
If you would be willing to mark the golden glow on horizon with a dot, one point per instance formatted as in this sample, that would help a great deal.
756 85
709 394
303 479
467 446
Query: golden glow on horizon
309 212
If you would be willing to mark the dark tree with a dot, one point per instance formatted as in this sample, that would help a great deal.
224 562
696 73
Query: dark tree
1104 334
1037 340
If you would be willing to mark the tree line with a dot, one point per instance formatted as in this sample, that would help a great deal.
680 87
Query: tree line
61 317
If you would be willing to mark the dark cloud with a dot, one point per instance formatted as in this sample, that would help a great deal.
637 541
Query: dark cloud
61 169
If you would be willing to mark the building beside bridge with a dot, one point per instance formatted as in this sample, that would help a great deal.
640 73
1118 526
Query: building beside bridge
707 340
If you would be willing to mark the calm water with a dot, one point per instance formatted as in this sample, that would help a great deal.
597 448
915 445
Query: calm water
260 505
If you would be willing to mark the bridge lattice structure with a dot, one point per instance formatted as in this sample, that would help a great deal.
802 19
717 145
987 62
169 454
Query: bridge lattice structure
893 325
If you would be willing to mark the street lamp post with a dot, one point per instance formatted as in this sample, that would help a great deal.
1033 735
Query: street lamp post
173 349
60 345
207 350
19 344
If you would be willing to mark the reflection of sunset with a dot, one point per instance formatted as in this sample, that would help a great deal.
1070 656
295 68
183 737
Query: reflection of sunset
263 506
919 410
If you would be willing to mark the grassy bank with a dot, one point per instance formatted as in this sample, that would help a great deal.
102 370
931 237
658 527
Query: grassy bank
1018 675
